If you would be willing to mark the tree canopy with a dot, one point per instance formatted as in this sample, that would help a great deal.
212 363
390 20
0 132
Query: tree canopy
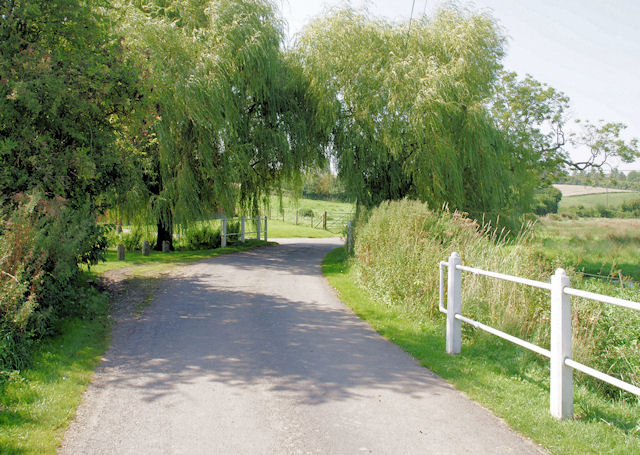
535 119
63 84
233 116
409 110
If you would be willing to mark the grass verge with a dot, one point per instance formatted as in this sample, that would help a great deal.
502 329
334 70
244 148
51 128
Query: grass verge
36 407
510 381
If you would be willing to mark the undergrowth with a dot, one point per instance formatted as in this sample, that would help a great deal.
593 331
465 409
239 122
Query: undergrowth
397 254
504 377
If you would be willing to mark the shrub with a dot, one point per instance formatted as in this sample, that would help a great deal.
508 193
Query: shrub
546 200
200 237
631 206
397 254
306 212
132 240
41 244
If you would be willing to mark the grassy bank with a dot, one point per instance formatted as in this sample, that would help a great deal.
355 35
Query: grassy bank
510 381
39 402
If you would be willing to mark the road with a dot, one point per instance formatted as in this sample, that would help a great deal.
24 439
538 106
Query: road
253 353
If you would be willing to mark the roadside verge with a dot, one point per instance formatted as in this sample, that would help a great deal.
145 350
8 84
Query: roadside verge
490 371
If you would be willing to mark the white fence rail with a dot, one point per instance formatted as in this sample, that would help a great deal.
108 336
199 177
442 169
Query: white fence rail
224 235
560 354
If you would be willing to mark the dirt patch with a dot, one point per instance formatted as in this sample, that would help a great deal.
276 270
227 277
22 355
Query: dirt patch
130 293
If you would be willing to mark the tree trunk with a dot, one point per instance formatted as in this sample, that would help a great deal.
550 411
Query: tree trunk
164 233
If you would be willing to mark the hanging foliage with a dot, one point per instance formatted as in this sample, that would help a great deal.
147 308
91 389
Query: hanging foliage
233 116
409 109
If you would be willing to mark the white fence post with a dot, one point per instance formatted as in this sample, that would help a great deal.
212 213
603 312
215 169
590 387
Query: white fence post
242 229
223 236
265 229
454 305
258 228
561 386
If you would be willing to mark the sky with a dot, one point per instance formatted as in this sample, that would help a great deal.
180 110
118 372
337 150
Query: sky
588 49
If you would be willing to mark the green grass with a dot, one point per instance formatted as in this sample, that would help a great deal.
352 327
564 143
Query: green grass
611 200
317 205
601 246
36 409
278 229
491 372
160 261
338 213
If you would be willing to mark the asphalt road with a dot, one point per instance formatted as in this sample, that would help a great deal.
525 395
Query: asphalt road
253 353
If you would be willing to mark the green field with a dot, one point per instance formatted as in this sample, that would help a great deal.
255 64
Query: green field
610 200
297 212
598 246
318 206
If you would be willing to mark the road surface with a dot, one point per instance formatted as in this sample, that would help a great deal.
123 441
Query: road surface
253 353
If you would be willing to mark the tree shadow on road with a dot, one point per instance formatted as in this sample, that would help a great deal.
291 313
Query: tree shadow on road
307 351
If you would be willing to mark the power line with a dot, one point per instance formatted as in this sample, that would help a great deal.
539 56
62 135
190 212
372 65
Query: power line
410 19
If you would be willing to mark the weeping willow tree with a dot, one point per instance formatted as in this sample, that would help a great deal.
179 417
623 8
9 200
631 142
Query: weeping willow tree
409 109
230 116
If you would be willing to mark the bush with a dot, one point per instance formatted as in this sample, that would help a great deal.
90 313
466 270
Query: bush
546 200
41 244
306 212
132 240
200 238
631 207
397 254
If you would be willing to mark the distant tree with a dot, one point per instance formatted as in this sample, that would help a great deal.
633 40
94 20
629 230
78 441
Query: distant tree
546 200
232 116
409 110
534 117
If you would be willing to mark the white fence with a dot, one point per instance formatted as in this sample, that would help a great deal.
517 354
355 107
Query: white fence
560 354
242 233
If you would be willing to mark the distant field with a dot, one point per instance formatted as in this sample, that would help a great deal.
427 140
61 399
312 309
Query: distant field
611 200
593 245
581 190
318 206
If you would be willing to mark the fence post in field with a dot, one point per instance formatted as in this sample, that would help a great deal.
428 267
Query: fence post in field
258 228
297 210
561 385
311 219
223 236
265 229
242 229
454 305
324 221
